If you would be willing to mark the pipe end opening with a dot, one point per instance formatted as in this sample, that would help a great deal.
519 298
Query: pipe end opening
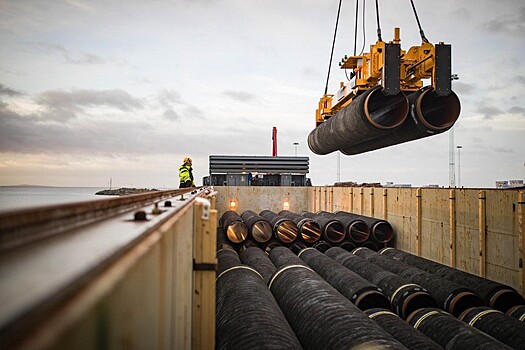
261 231
335 232
358 231
237 232
286 231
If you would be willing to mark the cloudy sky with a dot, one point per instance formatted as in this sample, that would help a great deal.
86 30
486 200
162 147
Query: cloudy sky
125 89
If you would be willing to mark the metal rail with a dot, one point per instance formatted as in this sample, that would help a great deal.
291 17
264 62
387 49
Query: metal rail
27 225
63 248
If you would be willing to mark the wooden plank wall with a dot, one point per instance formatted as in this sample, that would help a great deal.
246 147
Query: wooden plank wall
478 231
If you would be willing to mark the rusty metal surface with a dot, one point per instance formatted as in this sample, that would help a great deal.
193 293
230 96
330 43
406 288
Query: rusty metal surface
36 277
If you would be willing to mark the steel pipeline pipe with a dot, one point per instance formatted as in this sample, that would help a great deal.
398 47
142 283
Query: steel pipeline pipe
284 229
296 247
369 116
357 230
355 288
259 323
236 230
451 333
268 246
371 245
380 229
260 230
222 240
322 246
518 312
309 229
450 296
504 328
257 259
226 258
332 230
348 246
402 331
496 295
405 297
321 317
245 245
429 115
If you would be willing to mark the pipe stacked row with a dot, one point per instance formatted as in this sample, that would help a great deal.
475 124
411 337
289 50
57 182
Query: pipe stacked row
321 230
302 294
374 120
259 323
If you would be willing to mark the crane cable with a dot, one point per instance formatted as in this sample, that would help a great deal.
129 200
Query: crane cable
378 24
333 46
352 73
421 32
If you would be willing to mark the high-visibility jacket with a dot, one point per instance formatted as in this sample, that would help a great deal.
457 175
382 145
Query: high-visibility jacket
185 174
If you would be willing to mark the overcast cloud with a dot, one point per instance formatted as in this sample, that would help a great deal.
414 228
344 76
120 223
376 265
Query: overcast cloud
126 89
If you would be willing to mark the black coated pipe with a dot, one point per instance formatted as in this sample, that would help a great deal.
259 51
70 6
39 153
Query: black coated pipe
405 297
357 230
309 229
322 246
451 333
370 115
429 115
260 230
285 230
402 331
332 230
380 229
450 296
496 295
257 259
371 245
506 329
245 245
296 247
226 258
232 224
222 240
321 317
518 312
268 246
348 246
259 323
355 288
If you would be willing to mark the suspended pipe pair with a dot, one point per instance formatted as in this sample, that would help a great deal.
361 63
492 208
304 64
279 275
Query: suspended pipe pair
321 317
450 296
504 328
451 333
332 230
402 331
259 323
355 288
496 295
374 120
405 296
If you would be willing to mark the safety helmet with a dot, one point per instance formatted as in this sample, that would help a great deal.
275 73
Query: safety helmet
187 161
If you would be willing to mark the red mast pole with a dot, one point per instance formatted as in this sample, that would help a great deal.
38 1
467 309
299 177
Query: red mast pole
274 139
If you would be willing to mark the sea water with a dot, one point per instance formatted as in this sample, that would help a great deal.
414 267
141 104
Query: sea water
21 197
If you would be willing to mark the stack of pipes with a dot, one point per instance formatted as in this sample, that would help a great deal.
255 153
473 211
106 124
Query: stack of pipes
332 298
